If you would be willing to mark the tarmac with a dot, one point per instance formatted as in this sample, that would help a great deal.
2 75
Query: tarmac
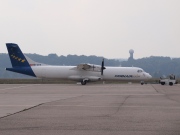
93 109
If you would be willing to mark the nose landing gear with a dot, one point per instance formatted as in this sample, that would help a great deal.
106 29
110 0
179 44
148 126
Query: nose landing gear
142 82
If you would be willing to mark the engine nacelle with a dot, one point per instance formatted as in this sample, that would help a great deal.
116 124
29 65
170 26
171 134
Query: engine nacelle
89 67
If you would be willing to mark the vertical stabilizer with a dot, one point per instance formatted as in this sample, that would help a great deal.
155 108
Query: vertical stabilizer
19 62
16 56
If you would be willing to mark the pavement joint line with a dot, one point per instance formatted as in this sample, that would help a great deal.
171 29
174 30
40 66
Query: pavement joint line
18 87
26 109
30 107
155 89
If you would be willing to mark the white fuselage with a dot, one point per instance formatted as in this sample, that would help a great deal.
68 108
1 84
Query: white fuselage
70 72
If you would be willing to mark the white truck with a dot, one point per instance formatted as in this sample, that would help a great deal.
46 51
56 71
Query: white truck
169 80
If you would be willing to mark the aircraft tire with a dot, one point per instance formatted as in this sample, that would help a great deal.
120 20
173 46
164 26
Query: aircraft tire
162 83
83 82
170 83
142 82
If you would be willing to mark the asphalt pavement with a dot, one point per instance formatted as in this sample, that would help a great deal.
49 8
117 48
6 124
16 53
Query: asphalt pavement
107 109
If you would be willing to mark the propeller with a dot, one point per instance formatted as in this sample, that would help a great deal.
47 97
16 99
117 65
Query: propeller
102 67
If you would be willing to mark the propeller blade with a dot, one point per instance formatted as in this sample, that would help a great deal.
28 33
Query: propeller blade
102 67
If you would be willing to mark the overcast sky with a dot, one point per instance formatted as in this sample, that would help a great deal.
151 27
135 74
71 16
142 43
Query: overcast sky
107 28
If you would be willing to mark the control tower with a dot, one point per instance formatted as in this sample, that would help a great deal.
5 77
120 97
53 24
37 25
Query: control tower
131 51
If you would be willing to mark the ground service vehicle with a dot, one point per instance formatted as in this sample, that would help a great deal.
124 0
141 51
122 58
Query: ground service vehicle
169 80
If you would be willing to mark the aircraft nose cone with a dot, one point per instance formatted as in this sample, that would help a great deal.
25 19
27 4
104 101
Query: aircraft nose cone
149 76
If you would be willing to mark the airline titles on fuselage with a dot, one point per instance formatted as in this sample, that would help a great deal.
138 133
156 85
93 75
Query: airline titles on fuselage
127 76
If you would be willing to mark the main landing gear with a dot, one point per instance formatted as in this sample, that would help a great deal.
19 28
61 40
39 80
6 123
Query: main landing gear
83 82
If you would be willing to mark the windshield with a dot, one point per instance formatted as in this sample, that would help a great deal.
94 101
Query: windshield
140 71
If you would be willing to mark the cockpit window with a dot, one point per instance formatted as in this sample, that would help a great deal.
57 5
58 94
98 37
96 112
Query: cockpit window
140 71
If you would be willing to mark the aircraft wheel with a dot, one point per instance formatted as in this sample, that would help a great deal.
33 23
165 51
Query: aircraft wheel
83 82
142 82
162 83
170 83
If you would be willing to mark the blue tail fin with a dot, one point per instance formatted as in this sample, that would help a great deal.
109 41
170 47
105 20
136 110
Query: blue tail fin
16 56
18 60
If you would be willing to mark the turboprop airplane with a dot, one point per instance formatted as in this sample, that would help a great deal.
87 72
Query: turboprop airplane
82 72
